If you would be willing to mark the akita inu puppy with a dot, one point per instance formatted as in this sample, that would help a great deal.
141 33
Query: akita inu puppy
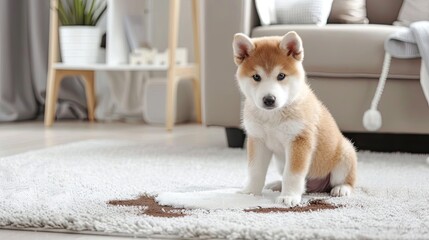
283 118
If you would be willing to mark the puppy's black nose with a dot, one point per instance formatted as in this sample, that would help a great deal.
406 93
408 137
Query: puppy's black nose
269 100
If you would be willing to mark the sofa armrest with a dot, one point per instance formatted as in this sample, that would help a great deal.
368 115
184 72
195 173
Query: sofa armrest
250 16
221 96
220 93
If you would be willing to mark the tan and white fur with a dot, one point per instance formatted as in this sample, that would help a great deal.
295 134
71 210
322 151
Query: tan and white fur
283 118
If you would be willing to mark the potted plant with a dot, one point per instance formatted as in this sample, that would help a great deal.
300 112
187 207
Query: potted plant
79 37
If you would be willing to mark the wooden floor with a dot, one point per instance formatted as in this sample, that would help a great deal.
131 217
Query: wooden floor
16 138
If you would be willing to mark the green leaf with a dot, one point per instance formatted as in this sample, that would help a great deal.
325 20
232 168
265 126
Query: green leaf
62 15
76 11
91 9
89 19
81 13
78 6
99 15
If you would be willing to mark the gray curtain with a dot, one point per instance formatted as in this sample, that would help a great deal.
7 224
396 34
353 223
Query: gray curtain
24 40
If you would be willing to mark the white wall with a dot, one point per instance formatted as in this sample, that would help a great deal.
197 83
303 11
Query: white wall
160 25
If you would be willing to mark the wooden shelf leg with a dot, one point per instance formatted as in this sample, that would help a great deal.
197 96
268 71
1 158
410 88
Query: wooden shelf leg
52 90
52 86
197 99
89 80
196 80
171 74
171 101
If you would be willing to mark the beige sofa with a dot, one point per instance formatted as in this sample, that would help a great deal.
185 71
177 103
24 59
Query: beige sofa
343 64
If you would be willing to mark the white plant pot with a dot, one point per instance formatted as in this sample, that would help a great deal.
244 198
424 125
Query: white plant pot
79 44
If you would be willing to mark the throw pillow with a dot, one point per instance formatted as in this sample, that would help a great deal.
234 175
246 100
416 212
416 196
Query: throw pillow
348 11
303 11
413 11
266 11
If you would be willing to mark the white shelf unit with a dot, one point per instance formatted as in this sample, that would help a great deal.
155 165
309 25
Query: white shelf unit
117 52
115 67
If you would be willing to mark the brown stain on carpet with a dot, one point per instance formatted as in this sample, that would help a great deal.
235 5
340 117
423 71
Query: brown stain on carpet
156 210
153 208
315 205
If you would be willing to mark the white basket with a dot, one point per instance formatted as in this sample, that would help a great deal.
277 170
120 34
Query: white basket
79 44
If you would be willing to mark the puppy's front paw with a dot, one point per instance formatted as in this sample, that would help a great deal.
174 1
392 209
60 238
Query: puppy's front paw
341 190
289 200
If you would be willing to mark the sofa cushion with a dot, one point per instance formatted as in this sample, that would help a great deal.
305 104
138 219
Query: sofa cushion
303 11
413 11
383 11
345 50
348 11
266 10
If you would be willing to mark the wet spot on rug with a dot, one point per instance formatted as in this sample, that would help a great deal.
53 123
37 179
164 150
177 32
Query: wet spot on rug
153 208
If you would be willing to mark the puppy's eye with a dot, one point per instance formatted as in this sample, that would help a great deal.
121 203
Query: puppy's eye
281 76
256 77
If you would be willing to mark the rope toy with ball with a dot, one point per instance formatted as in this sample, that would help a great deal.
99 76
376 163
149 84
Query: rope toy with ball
372 118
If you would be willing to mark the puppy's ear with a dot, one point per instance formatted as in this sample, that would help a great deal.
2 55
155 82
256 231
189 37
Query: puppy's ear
242 46
292 44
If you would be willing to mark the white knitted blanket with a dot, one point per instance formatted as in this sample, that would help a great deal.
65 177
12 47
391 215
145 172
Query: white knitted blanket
412 42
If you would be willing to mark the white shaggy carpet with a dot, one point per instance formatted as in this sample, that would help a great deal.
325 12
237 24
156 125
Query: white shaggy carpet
67 187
